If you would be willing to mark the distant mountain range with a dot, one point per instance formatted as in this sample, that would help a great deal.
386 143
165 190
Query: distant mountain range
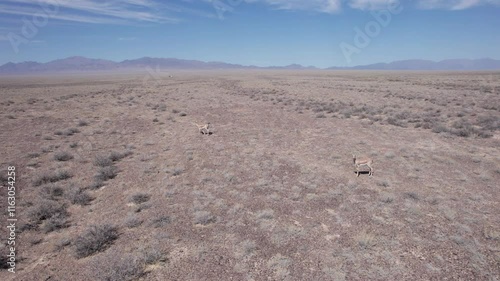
77 64
451 64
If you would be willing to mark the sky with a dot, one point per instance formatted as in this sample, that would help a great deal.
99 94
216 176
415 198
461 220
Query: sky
319 33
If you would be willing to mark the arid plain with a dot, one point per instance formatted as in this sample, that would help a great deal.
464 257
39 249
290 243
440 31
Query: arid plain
114 182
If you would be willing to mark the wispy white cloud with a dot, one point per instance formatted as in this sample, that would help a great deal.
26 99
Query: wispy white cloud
464 4
91 11
324 6
454 4
174 11
334 6
370 4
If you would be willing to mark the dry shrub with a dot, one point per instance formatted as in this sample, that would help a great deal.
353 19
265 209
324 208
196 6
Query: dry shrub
45 209
51 177
95 239
63 156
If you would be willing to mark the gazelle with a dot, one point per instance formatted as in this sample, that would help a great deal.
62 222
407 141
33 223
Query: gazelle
204 129
363 162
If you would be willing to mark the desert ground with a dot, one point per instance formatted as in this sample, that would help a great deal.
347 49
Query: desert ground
114 182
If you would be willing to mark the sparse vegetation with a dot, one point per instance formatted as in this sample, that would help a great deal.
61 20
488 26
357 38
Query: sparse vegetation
140 198
161 221
108 160
274 188
265 214
153 255
412 195
491 234
366 240
102 161
67 132
204 218
46 209
51 177
33 155
52 191
177 171
387 198
106 173
55 222
97 183
83 123
133 222
62 156
95 239
79 196
119 267
117 156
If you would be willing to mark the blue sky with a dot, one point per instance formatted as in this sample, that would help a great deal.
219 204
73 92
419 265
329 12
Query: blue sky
322 33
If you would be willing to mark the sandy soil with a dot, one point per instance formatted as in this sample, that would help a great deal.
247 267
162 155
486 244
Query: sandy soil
271 194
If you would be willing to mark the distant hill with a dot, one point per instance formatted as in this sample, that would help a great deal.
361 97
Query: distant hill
172 63
450 64
78 63
291 66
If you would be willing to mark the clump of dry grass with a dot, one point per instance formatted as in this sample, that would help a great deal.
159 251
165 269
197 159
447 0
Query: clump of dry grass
67 132
33 155
119 267
396 122
204 218
139 198
63 156
161 221
79 196
133 222
102 161
117 156
491 234
265 214
51 177
106 173
245 249
387 197
279 266
55 222
83 123
52 191
95 239
366 240
45 209
412 195
153 255
108 160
